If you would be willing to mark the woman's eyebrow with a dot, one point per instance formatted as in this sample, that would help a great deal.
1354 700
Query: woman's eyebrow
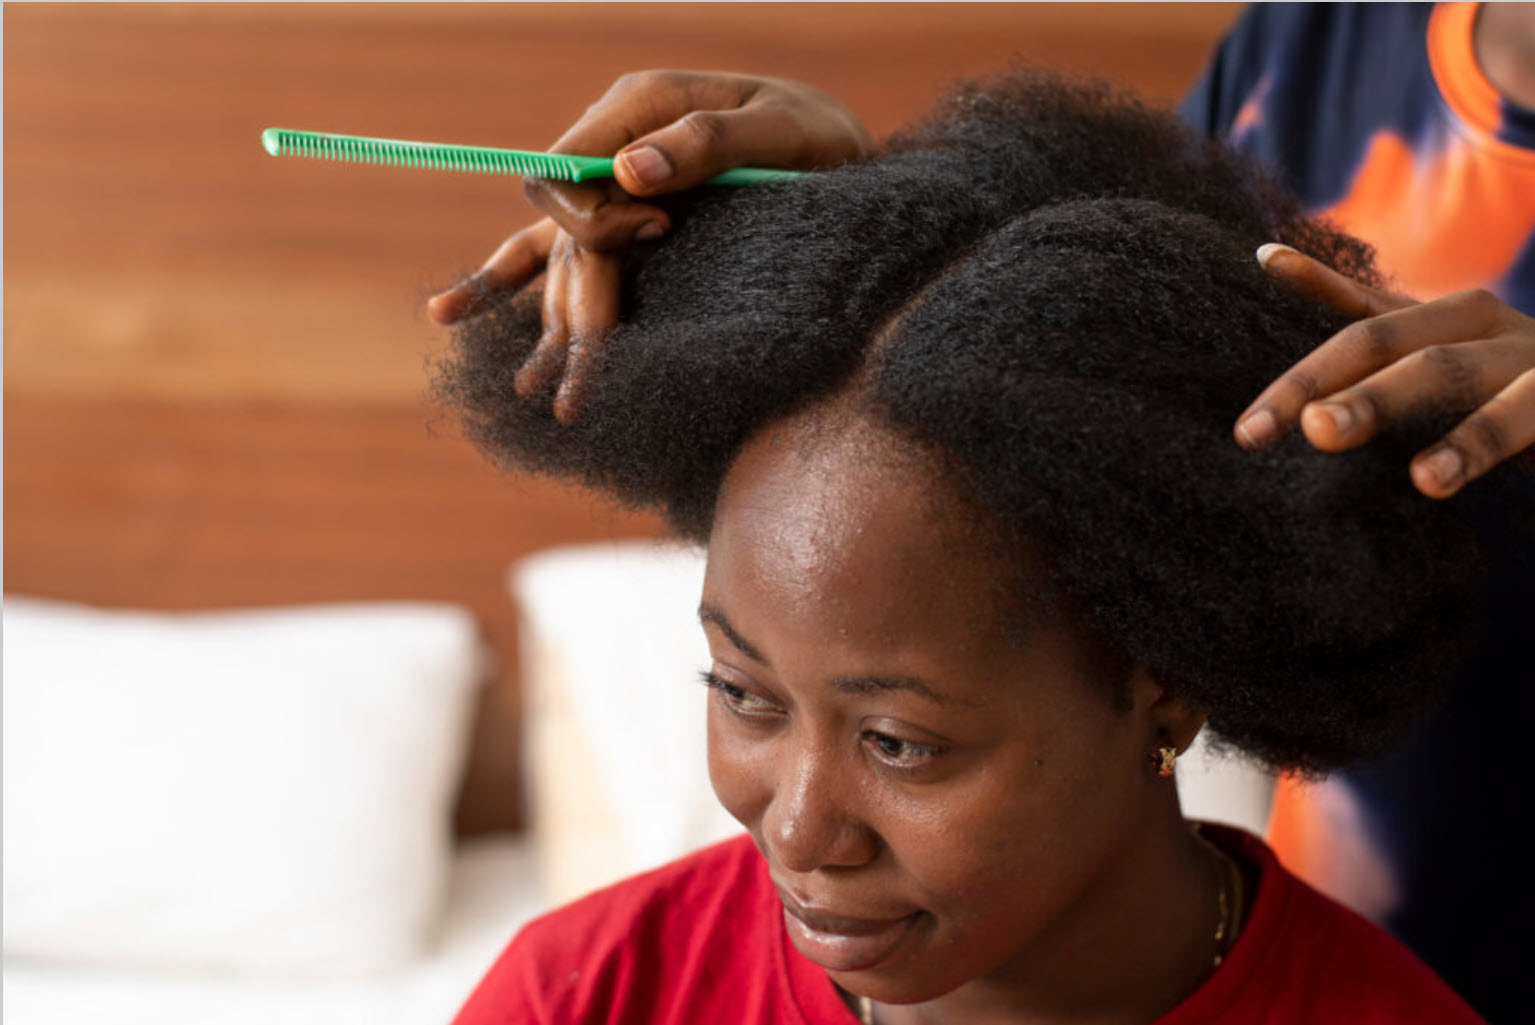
848 684
710 614
882 684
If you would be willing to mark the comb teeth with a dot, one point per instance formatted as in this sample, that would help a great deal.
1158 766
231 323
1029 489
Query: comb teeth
359 150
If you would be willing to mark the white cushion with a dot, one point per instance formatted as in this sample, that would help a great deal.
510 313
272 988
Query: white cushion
1218 784
617 753
250 791
492 893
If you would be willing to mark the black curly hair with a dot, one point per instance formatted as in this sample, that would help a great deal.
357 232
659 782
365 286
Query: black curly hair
1055 287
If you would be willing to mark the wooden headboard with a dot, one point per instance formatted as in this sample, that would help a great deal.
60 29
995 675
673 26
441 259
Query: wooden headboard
215 361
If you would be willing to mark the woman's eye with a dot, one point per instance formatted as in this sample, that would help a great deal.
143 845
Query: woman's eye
903 754
737 699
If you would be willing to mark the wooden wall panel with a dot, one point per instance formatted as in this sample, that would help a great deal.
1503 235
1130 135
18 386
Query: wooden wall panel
185 505
215 360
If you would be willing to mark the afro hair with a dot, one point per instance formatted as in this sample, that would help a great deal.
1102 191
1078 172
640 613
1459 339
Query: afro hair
1055 287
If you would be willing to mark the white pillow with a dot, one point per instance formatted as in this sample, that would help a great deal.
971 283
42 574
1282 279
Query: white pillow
617 751
249 790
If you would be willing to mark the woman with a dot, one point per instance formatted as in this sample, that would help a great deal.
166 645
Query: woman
981 563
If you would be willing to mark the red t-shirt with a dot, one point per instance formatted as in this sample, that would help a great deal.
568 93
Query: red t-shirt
702 940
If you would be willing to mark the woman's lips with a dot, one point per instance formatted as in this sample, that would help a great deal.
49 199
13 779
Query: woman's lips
839 943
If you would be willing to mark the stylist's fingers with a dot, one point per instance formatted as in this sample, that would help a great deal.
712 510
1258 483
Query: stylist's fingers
676 129
672 130
1497 431
1278 407
516 262
767 130
1423 331
546 362
1456 376
599 215
591 305
1315 279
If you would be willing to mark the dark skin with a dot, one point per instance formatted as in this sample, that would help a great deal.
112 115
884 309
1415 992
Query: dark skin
1504 39
1010 810
671 130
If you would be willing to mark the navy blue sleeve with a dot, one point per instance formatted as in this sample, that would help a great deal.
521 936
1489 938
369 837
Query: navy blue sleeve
1302 89
1231 75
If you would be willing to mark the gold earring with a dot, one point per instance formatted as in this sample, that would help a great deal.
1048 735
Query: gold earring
1166 758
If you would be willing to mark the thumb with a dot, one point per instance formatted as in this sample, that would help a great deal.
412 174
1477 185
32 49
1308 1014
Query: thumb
704 143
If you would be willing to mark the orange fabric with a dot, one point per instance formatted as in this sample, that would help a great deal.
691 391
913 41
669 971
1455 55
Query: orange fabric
1441 220
1455 213
1452 56
1294 833
1250 116
1320 832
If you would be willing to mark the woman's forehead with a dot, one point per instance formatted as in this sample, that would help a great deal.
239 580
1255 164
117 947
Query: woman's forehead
854 531
836 568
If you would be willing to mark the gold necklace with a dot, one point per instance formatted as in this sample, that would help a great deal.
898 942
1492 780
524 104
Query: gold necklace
1228 900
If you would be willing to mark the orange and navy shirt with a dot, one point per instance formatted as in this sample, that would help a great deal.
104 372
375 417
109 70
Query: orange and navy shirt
1379 118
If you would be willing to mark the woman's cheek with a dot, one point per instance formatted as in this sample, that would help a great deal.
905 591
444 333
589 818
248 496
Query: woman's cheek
1015 824
943 834
735 770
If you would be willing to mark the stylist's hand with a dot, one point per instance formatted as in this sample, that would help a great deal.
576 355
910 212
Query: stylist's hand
1468 350
668 130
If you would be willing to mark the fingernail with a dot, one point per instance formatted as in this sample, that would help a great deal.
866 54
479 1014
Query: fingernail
650 230
1444 466
1269 250
648 164
1341 416
1259 429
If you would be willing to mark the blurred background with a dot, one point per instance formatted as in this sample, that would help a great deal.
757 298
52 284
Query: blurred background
214 399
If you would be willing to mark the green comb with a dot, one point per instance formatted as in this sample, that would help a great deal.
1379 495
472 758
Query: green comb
285 142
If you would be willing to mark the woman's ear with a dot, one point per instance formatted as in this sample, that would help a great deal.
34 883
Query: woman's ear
1171 720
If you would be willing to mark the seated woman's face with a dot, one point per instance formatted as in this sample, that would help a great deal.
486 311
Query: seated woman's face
940 793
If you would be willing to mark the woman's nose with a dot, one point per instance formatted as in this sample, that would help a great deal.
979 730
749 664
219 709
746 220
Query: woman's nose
808 824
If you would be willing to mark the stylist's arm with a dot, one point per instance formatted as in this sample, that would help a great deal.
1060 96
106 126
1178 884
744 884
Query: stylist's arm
667 130
1465 351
